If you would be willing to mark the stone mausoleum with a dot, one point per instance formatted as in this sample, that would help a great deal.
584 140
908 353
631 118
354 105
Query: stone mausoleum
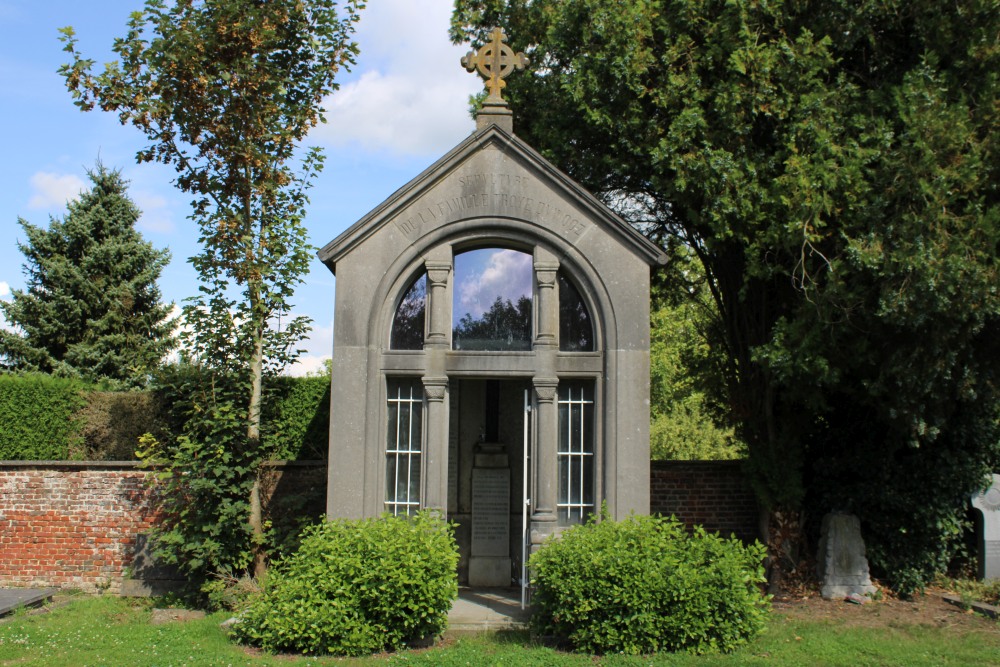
491 349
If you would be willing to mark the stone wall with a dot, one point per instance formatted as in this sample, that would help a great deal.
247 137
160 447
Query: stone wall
74 525
714 494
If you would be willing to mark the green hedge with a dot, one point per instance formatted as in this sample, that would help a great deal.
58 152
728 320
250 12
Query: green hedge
43 417
357 587
37 417
295 421
645 585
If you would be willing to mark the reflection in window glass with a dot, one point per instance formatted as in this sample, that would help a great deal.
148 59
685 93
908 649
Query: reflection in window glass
492 300
576 453
404 438
576 331
408 324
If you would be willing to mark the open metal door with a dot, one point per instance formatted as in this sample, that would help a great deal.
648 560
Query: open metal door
526 498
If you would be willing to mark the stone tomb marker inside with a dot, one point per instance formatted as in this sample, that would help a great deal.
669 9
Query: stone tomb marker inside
988 502
489 559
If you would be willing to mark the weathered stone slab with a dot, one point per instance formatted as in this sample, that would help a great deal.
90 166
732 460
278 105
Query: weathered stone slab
842 564
988 502
489 564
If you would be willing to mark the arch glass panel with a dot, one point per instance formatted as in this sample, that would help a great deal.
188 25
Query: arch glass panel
576 327
492 300
408 323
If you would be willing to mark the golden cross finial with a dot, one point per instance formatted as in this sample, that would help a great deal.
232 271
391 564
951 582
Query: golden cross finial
495 61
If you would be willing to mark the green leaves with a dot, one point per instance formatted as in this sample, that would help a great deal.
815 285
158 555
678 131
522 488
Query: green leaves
645 585
224 90
834 166
358 587
92 307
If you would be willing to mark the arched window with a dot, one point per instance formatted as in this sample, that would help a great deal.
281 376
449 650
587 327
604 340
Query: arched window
492 300
408 323
576 328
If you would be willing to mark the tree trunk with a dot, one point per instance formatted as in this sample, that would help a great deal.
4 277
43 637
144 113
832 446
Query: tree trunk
253 442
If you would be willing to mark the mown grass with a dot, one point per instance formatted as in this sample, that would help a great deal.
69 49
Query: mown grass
114 632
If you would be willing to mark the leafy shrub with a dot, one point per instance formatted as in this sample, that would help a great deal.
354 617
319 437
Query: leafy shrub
37 417
357 587
206 469
644 585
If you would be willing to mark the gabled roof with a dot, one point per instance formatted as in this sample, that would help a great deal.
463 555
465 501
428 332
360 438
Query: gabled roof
492 135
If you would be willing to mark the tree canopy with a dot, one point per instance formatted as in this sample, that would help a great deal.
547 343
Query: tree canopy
224 91
92 308
833 165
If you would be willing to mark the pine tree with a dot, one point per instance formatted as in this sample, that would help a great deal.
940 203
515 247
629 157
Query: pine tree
91 308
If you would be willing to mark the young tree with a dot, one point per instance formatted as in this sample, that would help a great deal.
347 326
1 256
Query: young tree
225 90
92 308
835 165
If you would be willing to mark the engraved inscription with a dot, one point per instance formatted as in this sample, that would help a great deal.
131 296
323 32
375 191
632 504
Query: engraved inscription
490 511
497 192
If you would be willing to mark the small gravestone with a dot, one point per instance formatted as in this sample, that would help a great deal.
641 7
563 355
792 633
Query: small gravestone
842 564
988 502
489 560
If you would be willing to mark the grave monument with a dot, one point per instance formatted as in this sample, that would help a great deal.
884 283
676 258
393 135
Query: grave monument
988 503
491 347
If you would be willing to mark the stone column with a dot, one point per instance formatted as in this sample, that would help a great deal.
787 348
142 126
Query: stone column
438 308
543 516
546 383
436 344
435 463
547 307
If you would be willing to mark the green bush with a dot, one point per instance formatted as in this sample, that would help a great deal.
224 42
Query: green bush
644 585
295 423
357 587
111 423
37 416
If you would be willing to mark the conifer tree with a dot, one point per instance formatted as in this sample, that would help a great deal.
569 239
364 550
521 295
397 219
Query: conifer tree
91 307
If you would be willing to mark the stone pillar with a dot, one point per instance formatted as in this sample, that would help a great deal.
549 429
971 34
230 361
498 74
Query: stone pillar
435 463
547 308
438 307
988 502
543 516
546 383
436 344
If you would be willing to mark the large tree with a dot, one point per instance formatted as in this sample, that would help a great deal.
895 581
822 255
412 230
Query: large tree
835 166
92 308
225 90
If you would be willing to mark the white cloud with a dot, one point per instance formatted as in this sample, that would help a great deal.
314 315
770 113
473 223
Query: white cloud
51 190
318 348
412 94
4 289
156 214
506 273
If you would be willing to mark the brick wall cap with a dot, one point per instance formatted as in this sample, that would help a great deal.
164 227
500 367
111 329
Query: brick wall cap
131 465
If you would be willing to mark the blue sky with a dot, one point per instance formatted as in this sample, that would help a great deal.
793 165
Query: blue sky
403 105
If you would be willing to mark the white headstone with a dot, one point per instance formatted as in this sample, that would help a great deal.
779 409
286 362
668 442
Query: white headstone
843 566
988 502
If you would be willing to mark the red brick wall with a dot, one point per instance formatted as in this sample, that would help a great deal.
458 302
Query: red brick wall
74 525
714 494
70 525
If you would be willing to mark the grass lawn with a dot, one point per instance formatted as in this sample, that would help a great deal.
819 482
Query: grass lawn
117 632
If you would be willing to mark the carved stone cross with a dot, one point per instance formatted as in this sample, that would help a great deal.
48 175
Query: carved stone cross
495 60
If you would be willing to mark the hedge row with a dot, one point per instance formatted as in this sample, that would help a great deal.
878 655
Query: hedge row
48 418
39 417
